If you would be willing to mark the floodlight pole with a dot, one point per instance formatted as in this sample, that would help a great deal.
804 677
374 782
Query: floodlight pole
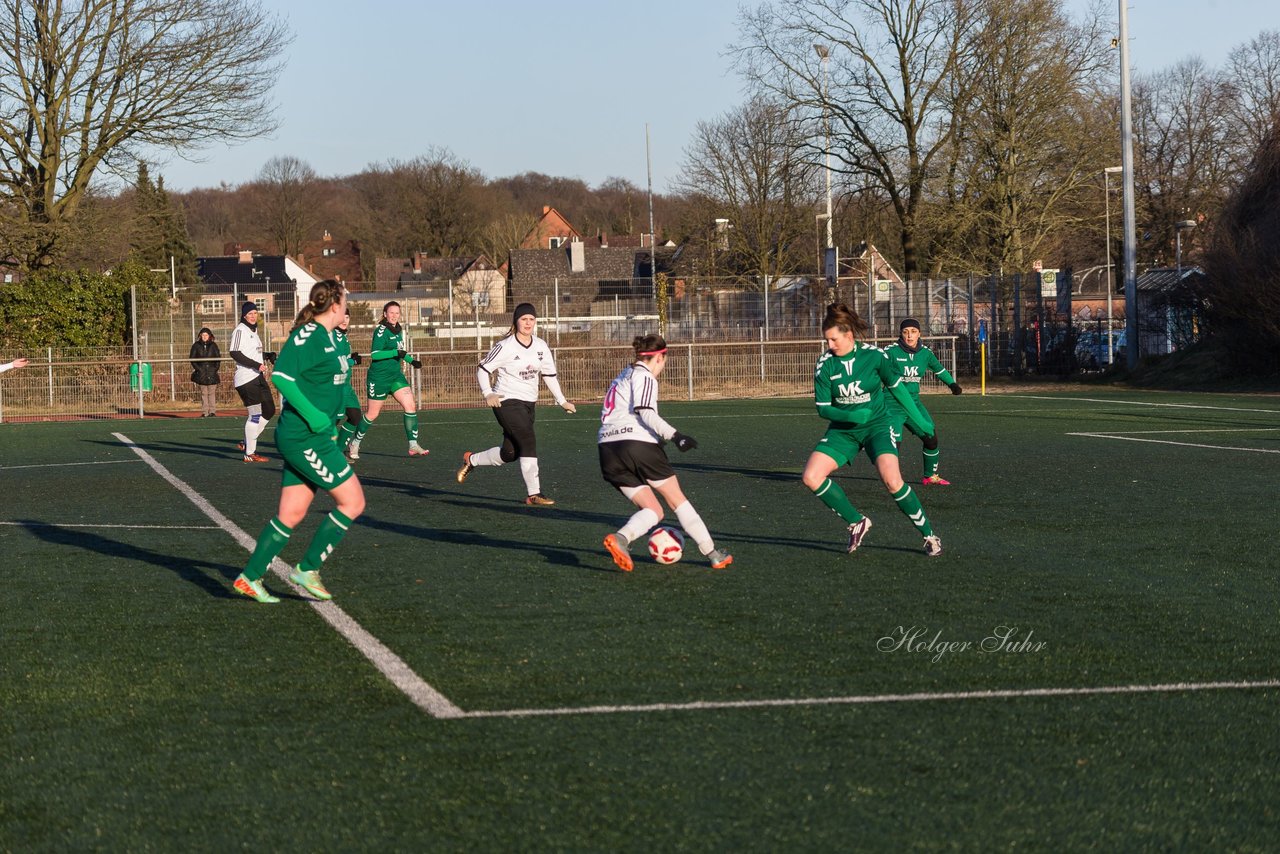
1106 189
824 54
1179 227
1130 229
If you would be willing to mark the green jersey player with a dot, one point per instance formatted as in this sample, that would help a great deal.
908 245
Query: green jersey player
849 386
350 403
386 379
915 361
310 376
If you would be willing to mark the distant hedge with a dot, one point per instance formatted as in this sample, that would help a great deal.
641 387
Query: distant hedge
63 308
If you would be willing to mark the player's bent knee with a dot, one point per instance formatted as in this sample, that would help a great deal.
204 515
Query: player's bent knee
508 455
931 443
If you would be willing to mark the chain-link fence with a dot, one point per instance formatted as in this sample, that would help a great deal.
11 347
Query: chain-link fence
728 338
113 385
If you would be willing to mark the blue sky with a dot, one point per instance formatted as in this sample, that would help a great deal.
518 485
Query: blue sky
513 87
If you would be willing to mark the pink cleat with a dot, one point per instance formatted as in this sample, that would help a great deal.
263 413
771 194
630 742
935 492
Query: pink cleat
935 480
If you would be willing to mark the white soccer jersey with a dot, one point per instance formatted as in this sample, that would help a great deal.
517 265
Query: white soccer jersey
246 341
630 411
511 370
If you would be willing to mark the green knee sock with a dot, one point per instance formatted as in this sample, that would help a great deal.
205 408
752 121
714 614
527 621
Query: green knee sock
345 431
411 426
910 505
930 462
834 497
274 537
332 530
365 424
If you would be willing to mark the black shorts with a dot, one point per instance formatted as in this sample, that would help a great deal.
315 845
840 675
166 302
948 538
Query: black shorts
256 392
630 463
516 418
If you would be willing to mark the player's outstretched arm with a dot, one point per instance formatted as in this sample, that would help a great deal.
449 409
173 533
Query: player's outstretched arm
918 419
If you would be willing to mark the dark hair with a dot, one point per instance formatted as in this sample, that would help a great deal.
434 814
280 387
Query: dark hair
648 346
323 295
840 316
388 305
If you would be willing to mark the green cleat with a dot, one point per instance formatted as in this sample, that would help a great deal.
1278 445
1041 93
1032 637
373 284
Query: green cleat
310 582
253 589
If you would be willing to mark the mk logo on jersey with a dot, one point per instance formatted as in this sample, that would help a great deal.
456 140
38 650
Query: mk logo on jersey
911 372
851 392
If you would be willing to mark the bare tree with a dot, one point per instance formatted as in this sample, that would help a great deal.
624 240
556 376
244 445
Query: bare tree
498 237
750 167
882 94
1184 167
88 85
432 203
1253 81
287 189
1031 88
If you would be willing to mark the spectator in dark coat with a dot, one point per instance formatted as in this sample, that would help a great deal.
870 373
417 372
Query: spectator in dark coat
204 355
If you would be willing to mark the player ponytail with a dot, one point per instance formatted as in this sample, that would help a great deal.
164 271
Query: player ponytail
323 295
840 316
648 346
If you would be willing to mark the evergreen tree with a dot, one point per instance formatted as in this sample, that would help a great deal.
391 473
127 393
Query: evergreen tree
160 230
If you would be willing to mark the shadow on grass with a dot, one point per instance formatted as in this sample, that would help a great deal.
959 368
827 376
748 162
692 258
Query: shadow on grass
216 448
557 555
213 578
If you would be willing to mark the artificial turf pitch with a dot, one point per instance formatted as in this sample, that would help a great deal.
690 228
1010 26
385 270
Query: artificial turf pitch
1125 538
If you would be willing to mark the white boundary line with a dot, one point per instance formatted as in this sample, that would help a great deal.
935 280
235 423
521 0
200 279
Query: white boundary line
868 699
57 465
387 662
105 525
1122 438
437 705
1146 403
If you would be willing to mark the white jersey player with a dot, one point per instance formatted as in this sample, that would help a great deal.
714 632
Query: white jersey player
631 408
251 385
508 378
633 461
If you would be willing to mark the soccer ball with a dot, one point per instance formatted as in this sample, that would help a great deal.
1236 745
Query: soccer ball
666 545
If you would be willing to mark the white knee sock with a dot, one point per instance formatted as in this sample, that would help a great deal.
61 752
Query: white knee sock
694 527
529 471
639 524
491 457
252 430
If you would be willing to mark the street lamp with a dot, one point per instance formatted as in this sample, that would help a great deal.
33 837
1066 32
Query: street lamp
825 55
1179 227
1106 190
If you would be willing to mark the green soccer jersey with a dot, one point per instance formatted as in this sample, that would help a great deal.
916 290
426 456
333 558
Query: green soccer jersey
853 383
343 343
309 361
384 367
914 366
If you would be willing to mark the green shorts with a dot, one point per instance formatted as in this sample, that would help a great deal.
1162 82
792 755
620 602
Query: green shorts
899 417
381 389
349 399
877 438
311 458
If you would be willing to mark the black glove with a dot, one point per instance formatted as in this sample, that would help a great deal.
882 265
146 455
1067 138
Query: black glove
356 358
400 354
417 363
269 357
955 388
683 442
